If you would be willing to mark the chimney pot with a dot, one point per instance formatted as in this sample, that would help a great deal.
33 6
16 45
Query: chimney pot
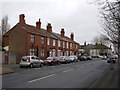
49 28
85 43
72 36
62 32
21 19
38 24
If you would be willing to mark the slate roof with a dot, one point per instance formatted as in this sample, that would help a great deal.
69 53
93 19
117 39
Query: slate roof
33 30
63 38
42 32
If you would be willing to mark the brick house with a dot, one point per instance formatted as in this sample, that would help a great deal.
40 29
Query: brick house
26 39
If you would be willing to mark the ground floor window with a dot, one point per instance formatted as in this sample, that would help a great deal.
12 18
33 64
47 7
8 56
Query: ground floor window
59 52
53 52
42 52
71 52
67 52
32 51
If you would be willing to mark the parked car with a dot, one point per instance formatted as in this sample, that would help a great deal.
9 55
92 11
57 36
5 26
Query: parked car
63 59
51 61
104 57
73 58
82 58
30 61
89 57
96 56
111 60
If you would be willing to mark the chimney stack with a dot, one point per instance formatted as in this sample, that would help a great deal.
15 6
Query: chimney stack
85 43
21 19
62 32
38 25
72 36
49 28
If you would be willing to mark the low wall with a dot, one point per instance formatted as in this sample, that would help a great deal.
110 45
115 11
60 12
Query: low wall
8 57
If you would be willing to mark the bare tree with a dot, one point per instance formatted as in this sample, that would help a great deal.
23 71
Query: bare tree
101 39
110 21
5 25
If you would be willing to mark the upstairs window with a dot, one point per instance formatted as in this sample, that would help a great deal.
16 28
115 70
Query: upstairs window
42 40
32 38
76 46
58 43
53 42
48 41
67 44
70 45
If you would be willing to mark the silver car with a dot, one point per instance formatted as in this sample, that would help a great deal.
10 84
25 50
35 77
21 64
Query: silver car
73 58
30 61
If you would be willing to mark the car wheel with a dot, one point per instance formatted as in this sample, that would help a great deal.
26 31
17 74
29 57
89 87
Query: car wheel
41 65
21 66
58 63
108 61
31 66
113 61
50 64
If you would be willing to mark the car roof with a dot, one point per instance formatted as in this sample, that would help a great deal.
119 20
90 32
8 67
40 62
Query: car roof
29 56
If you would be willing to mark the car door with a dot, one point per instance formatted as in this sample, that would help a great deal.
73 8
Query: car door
38 61
34 61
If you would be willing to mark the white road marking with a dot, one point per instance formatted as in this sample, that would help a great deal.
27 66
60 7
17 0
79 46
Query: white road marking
82 66
41 78
67 70
37 68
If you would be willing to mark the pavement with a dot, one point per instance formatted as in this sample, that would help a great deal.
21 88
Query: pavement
8 68
108 80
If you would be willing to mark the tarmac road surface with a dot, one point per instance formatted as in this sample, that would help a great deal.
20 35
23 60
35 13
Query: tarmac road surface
80 74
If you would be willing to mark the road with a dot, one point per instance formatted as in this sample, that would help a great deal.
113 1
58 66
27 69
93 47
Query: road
80 74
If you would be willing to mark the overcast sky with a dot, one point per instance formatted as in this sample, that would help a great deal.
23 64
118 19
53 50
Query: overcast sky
73 15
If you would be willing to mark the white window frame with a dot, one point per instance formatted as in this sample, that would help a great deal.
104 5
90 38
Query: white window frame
42 40
58 43
42 52
76 46
67 45
54 41
48 41
59 53
32 51
70 45
32 38
53 53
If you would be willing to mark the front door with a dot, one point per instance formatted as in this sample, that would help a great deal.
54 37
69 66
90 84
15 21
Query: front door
37 51
48 53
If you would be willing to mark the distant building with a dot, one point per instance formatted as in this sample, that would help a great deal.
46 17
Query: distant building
95 49
26 39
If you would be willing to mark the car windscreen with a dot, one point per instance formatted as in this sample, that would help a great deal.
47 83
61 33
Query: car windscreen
82 56
25 58
61 57
49 58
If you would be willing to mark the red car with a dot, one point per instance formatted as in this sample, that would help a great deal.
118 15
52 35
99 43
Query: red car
51 61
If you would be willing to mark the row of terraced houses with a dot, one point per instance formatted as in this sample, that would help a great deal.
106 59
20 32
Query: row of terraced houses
24 39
